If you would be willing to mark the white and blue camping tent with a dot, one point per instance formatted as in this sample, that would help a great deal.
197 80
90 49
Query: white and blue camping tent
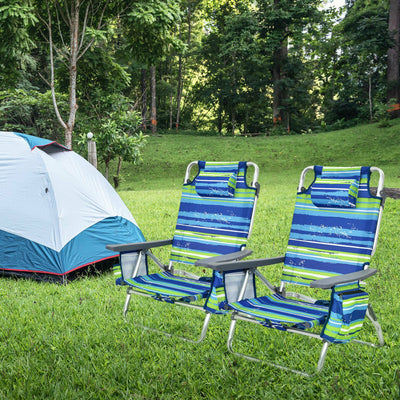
57 212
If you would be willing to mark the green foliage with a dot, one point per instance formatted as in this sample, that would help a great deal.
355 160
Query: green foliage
341 110
362 62
16 17
116 136
114 141
235 74
382 115
31 112
100 76
220 54
151 27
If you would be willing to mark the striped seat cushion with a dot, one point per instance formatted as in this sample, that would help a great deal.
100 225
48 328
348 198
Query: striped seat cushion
165 286
275 309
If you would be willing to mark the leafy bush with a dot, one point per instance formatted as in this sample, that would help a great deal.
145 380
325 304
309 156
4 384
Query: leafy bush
117 136
382 115
32 112
341 110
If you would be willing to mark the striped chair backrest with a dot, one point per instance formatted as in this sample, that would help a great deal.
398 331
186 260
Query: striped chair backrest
215 213
334 226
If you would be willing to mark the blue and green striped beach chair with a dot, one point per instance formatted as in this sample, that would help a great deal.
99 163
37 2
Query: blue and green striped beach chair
214 220
332 238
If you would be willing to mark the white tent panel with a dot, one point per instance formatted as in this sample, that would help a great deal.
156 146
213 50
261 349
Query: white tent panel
27 206
83 197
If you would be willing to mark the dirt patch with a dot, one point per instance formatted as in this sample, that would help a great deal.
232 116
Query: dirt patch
393 193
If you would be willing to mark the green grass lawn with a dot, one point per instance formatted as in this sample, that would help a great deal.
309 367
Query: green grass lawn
71 342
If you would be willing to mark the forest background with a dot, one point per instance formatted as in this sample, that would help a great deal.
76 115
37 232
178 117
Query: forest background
122 69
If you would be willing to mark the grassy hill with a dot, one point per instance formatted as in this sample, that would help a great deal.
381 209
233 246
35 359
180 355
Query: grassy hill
166 157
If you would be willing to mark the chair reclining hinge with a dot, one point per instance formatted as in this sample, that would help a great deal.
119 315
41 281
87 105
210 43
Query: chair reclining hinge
167 268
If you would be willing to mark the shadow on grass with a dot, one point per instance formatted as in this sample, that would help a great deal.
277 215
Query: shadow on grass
90 270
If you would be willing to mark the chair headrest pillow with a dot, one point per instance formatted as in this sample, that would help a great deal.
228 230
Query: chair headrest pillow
341 193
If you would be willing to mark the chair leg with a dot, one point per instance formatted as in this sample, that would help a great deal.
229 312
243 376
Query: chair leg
372 317
231 333
203 329
229 343
185 339
322 356
127 301
370 314
320 364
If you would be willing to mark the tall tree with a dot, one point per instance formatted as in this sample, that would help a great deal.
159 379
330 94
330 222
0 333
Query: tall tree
180 81
364 44
232 83
143 96
280 22
279 58
153 101
190 11
151 27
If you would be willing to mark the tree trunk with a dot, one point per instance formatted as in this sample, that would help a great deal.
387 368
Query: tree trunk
144 98
219 115
276 95
179 93
153 115
246 120
393 79
117 178
52 80
179 90
73 106
181 72
279 94
235 94
279 59
370 96
233 120
106 173
73 59
171 101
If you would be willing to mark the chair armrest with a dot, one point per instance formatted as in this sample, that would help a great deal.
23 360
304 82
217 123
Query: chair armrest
240 265
328 283
119 248
208 262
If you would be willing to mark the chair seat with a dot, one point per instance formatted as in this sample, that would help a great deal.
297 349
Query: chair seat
165 285
278 309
